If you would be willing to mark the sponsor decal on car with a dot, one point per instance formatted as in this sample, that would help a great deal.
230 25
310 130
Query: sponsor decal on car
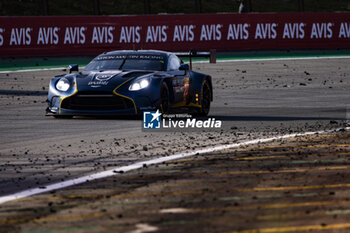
102 78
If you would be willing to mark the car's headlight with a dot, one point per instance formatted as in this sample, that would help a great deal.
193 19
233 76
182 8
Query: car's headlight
63 84
139 84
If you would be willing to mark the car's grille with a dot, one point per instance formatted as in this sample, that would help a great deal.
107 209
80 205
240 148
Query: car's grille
96 101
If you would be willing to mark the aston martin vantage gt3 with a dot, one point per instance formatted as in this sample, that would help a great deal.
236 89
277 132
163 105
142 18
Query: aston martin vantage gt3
129 82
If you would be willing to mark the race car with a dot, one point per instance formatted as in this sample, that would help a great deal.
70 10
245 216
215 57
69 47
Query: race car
129 82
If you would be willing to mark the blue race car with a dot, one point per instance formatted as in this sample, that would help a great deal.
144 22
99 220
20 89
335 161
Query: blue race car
129 82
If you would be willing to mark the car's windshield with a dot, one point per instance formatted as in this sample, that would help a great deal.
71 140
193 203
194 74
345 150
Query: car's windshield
127 62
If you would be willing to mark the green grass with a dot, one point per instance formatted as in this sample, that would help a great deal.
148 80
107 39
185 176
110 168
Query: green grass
40 64
58 62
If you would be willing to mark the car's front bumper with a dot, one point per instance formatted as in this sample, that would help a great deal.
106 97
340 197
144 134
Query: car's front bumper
89 104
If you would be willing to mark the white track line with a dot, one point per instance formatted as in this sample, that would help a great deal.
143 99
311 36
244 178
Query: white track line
218 61
118 170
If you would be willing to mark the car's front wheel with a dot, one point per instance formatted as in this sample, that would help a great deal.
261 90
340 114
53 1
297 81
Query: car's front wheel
164 98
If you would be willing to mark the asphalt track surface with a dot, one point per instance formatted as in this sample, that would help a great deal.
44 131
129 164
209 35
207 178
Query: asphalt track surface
253 99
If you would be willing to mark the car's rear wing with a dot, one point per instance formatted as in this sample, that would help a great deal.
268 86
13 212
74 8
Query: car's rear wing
193 53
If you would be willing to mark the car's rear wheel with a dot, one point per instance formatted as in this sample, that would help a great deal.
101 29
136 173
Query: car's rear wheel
205 99
164 98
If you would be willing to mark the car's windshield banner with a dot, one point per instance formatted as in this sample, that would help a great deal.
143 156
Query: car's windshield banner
110 57
130 56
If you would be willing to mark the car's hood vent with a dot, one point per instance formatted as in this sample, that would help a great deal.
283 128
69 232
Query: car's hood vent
134 74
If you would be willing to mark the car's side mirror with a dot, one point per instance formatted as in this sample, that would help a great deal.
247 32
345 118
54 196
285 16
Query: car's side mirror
73 67
184 67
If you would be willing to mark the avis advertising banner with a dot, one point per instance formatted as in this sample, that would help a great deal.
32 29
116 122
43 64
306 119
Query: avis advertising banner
67 35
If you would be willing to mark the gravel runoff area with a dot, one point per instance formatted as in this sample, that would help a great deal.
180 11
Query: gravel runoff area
254 100
290 185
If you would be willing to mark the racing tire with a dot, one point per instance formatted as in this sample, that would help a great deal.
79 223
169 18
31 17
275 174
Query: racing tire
164 98
205 100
